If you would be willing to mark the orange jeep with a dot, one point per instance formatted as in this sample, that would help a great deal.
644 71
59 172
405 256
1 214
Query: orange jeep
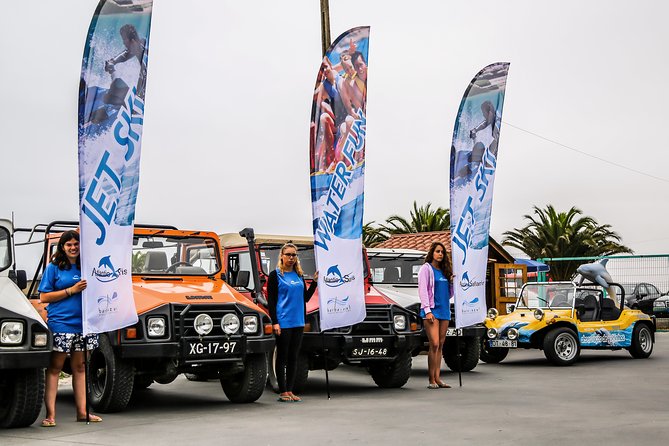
190 321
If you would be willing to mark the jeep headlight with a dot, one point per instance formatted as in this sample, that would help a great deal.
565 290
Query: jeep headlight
512 333
492 333
538 314
400 322
492 313
155 327
250 324
11 333
203 324
40 339
230 323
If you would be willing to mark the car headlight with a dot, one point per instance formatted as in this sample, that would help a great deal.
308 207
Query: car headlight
156 327
40 339
203 324
492 333
400 322
492 313
230 323
11 333
512 333
538 314
250 324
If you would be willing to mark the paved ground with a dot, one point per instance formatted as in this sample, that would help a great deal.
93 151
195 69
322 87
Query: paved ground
606 398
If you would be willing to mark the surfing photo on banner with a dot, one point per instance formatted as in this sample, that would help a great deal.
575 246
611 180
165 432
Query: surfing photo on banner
111 115
473 166
337 173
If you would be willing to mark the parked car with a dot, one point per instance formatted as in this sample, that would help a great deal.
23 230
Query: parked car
190 321
661 306
383 343
25 342
394 272
562 318
641 296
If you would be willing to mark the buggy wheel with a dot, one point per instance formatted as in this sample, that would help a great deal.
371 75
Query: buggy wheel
642 342
561 346
492 355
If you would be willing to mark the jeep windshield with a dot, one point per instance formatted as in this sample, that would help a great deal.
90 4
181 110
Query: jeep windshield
547 295
390 268
183 256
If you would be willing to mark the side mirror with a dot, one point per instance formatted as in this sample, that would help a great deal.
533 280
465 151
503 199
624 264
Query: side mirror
243 279
19 277
511 308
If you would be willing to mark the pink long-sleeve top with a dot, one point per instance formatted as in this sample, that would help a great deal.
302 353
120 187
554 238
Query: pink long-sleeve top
426 287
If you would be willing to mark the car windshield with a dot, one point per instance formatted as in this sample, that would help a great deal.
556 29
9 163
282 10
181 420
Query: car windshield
184 256
5 249
546 295
394 268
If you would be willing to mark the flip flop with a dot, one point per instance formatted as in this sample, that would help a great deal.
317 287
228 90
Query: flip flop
443 385
433 386
295 398
285 399
48 422
92 419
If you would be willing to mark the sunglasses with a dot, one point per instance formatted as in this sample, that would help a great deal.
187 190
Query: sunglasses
290 254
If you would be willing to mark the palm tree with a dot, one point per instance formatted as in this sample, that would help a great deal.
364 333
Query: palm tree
372 236
564 234
422 219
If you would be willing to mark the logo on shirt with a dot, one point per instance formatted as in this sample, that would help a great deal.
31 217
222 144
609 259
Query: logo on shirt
105 303
105 271
466 284
336 305
335 278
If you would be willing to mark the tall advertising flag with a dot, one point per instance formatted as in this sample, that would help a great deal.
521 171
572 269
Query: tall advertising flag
473 165
111 115
337 148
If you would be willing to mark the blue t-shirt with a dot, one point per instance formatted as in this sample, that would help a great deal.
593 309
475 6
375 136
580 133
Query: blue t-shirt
64 316
442 297
290 300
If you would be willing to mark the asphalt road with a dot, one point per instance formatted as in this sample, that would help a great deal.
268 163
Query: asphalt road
605 398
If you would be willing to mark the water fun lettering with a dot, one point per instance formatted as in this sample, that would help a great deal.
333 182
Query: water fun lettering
340 182
104 189
463 230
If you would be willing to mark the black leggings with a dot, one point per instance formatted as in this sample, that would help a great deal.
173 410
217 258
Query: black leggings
287 351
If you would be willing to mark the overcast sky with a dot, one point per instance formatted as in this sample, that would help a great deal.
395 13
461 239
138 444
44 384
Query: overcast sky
229 98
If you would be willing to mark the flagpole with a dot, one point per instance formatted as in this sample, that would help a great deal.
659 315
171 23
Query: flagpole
325 45
86 383
459 353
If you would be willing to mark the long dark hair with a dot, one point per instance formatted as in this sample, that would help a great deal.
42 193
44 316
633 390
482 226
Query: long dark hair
59 258
445 265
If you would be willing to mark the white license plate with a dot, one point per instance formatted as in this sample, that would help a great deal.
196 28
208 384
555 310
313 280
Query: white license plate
213 348
367 352
503 343
454 332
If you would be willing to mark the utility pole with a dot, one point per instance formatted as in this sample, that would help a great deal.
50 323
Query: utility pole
325 25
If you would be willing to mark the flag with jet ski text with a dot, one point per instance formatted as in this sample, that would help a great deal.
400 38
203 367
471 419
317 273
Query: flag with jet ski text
473 165
337 172
111 115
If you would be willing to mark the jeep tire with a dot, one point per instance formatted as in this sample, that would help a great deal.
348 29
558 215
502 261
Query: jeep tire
301 373
21 396
470 351
492 355
561 346
247 385
111 379
642 342
394 374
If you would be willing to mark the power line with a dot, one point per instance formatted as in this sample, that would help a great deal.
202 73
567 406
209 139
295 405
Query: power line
587 154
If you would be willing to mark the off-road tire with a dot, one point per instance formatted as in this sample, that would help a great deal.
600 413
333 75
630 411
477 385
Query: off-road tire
392 374
111 379
142 382
470 351
301 374
21 396
492 355
248 385
561 346
642 342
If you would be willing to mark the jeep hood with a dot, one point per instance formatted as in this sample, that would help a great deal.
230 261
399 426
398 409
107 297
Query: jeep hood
372 297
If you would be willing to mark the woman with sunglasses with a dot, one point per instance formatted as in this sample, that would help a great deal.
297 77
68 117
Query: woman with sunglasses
287 294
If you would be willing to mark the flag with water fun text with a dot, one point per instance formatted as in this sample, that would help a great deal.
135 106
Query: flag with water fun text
337 173
111 115
473 166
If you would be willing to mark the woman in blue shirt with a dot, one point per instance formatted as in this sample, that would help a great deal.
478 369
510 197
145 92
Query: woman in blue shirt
435 307
287 294
61 288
